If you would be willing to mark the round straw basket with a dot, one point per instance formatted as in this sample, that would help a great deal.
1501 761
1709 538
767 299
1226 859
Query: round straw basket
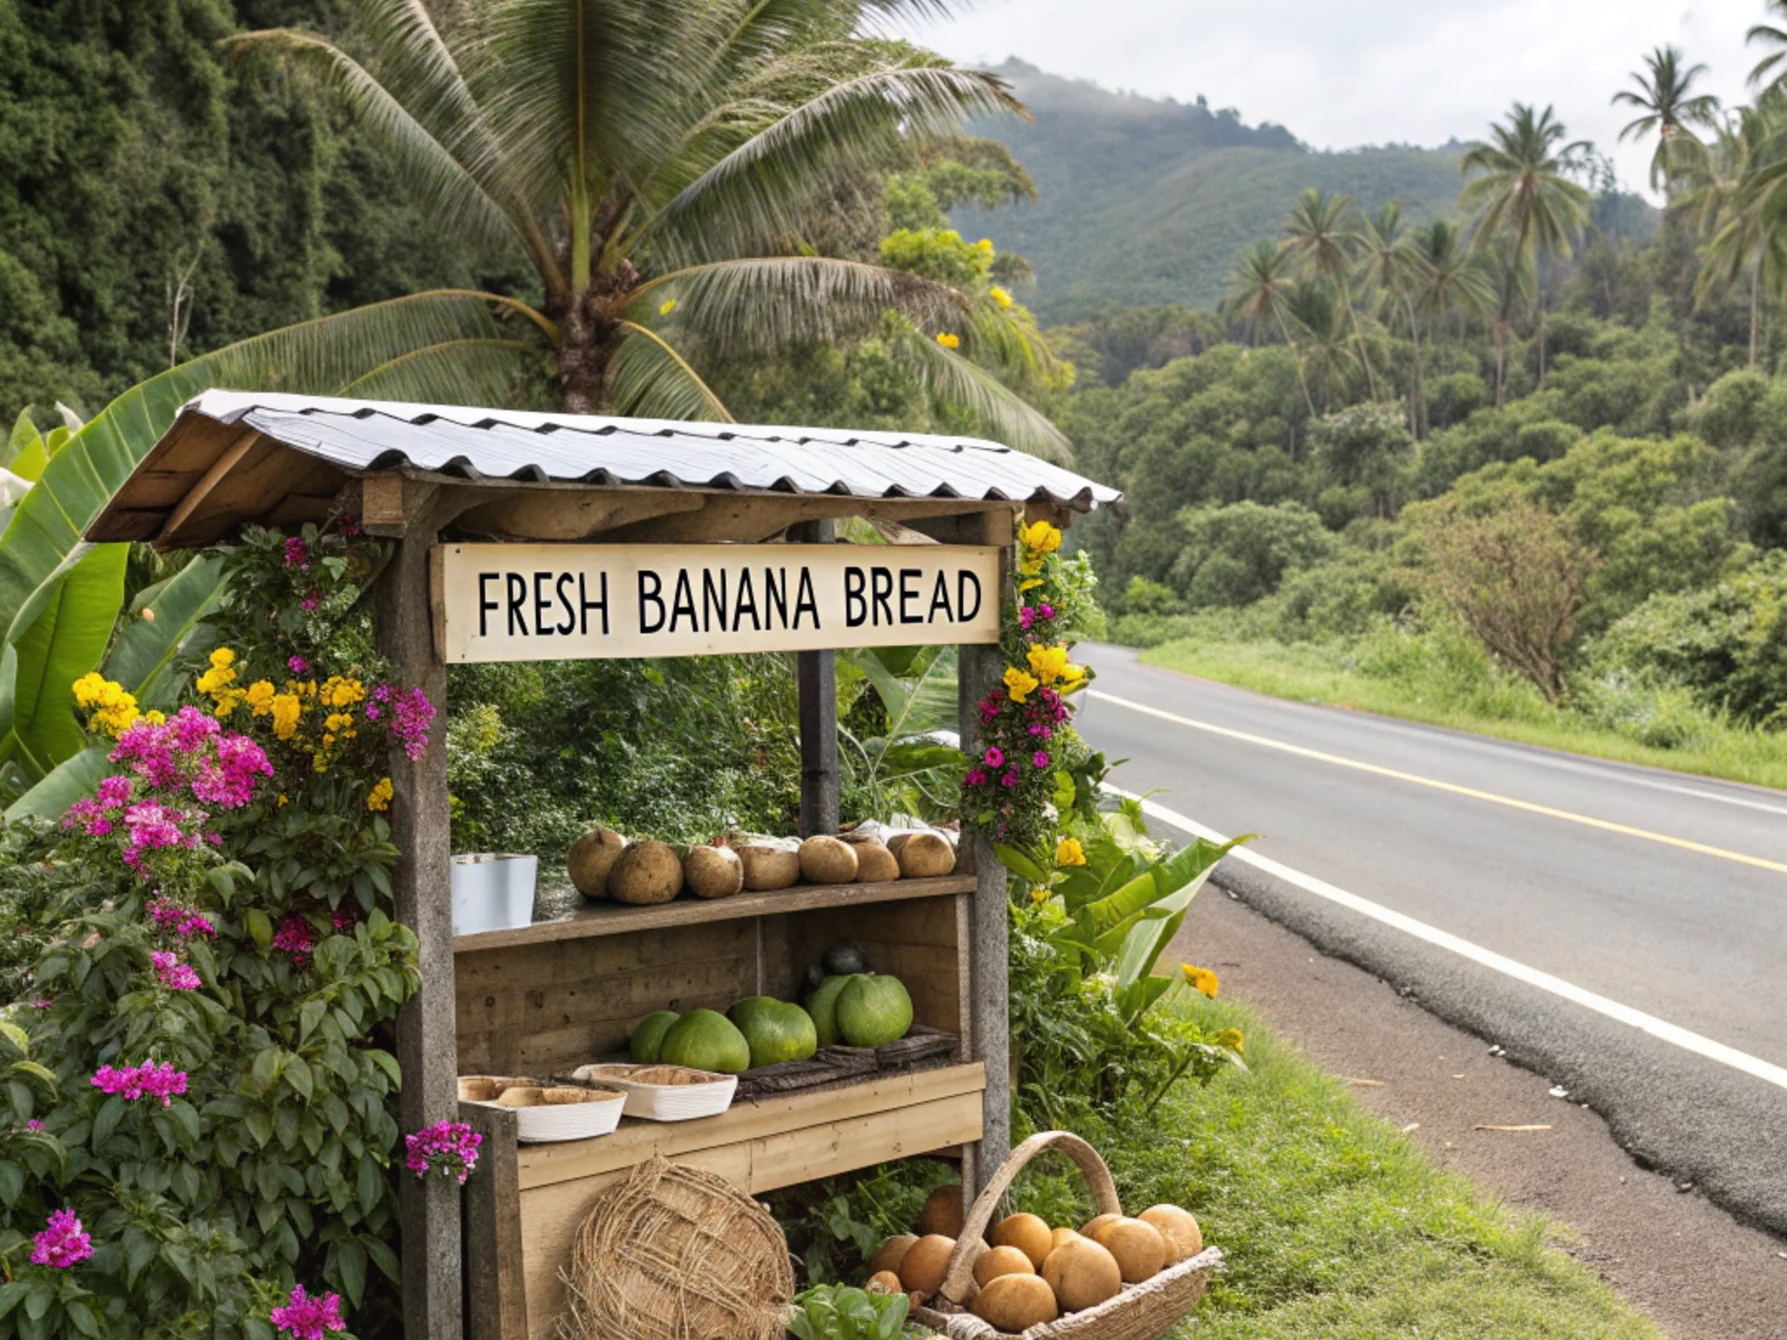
1140 1312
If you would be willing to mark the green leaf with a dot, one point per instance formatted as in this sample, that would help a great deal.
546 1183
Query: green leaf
140 657
260 928
62 643
64 784
111 1112
1020 864
25 454
350 1260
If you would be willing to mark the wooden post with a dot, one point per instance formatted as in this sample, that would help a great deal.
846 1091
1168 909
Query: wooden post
427 1047
979 671
495 1292
816 676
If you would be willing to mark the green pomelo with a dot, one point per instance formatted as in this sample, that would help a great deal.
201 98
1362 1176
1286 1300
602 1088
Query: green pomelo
706 1040
823 1006
873 1010
648 1038
775 1030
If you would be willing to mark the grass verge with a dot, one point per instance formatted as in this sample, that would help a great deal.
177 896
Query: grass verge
1337 1226
1330 673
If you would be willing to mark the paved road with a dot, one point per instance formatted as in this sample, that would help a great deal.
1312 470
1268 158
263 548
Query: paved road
1661 893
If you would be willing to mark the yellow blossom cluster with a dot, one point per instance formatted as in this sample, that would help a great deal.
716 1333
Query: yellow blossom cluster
219 683
1001 297
1069 852
1049 665
1019 684
1201 979
1038 540
378 800
111 710
949 340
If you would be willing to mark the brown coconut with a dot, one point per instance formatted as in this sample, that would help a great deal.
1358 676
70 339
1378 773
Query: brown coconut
1094 1226
1029 1233
889 1254
926 1262
1082 1274
997 1261
1140 1249
592 856
827 860
769 865
875 864
1184 1238
884 1281
713 872
646 873
925 856
1015 1303
1059 1236
943 1211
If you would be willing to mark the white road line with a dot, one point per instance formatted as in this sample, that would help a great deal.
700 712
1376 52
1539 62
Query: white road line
1612 1009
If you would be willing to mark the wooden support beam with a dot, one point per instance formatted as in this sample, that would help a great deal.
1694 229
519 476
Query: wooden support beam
495 1283
816 672
427 1042
211 479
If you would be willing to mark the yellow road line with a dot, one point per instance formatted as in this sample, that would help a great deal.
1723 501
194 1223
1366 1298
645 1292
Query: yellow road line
1588 821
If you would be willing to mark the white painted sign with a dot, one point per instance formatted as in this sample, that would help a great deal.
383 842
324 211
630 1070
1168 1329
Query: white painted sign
551 602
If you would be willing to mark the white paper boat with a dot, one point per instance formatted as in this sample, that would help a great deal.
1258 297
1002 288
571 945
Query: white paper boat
664 1092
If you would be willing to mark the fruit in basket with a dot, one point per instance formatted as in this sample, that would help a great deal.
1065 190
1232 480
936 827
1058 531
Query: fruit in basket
1015 1303
1140 1249
1059 1236
827 860
997 1261
1029 1233
873 1010
648 1039
943 1211
1082 1274
645 873
890 1253
713 872
592 857
706 1040
823 1006
843 958
1094 1226
883 1281
926 1262
1184 1238
769 863
924 855
774 1030
875 864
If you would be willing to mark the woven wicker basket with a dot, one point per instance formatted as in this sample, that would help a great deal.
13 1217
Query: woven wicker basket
676 1253
1140 1312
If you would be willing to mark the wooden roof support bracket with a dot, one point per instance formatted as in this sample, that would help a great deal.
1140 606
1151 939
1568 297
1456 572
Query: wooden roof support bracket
209 481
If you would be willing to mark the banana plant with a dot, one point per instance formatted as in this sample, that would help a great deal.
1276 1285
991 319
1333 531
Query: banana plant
914 766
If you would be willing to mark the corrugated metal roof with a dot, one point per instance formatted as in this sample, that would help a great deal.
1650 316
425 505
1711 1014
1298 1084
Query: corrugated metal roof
473 443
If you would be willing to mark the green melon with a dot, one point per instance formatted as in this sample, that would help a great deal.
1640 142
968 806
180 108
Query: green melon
775 1030
706 1040
823 1006
648 1038
873 1009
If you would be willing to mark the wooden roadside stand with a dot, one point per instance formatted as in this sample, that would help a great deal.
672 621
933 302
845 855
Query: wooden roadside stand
523 536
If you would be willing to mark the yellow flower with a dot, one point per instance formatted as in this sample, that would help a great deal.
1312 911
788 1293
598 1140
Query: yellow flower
111 710
1039 894
340 692
666 307
1040 537
1232 1039
1029 585
214 681
1018 684
223 658
1073 679
154 718
378 800
1201 979
260 697
949 340
999 296
1069 852
286 709
88 688
1048 663
984 246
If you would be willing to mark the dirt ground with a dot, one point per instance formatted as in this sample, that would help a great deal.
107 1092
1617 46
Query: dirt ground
1698 1272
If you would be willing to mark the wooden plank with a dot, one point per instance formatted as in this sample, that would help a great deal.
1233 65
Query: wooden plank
381 503
542 1165
496 1301
427 1045
209 482
816 678
563 516
609 918
552 1215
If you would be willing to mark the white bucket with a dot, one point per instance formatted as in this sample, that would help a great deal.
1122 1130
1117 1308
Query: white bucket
493 891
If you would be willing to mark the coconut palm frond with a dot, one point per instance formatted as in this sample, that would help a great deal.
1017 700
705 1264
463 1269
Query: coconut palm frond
998 411
653 381
450 372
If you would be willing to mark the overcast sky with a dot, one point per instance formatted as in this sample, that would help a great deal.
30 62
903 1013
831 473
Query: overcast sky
1341 73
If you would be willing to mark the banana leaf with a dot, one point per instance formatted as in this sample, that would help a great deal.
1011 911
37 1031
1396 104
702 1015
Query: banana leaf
145 649
66 783
25 453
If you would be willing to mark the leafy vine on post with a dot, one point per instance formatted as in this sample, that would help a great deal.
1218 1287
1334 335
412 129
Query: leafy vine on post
1101 900
208 1142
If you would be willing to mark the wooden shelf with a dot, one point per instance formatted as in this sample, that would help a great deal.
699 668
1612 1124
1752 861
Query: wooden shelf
609 918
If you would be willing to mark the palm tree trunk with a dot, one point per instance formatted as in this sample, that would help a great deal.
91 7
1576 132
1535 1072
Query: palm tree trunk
1541 306
1417 390
1755 306
1359 341
1302 381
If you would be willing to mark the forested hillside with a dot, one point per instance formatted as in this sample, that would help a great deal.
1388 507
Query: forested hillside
1143 201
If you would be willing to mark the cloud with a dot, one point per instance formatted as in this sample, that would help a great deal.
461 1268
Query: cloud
1369 72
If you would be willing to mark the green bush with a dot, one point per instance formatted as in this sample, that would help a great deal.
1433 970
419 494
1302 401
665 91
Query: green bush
1728 415
1234 555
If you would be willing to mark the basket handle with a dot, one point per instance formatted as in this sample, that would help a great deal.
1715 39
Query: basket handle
959 1279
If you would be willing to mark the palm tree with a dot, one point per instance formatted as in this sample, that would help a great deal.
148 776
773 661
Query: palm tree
1316 236
1316 312
1769 70
650 162
1523 197
1259 292
1667 105
1736 197
1391 266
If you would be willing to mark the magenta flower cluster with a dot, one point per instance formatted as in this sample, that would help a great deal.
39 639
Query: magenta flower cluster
449 1148
1030 616
181 921
62 1243
295 939
297 554
147 1080
175 975
307 1318
411 716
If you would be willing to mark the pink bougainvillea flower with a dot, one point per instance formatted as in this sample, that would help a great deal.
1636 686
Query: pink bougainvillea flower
62 1243
995 757
449 1148
34 1125
175 975
976 777
307 1318
297 554
1010 778
295 939
298 666
182 921
147 1080
1040 758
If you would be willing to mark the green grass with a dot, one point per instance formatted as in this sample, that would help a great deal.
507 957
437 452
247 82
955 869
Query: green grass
1337 674
1335 1225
